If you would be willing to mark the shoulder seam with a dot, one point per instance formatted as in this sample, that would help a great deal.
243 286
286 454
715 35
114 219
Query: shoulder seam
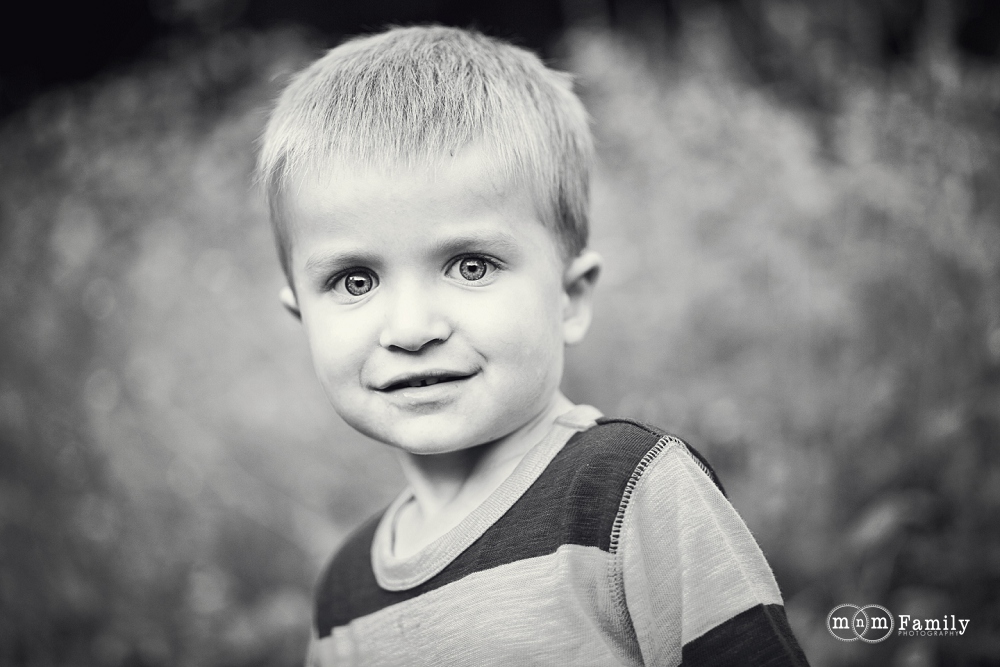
695 455
616 527
615 572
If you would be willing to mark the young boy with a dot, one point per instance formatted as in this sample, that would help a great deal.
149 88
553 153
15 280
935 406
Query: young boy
428 189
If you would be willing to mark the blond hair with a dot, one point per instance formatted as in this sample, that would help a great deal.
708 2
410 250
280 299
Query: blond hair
417 95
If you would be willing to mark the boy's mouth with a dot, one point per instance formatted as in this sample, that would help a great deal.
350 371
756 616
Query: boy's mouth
423 380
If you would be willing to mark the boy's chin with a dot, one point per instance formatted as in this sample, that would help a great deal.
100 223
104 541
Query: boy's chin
423 445
427 437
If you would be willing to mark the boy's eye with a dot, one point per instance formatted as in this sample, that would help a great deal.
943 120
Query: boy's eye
356 282
472 269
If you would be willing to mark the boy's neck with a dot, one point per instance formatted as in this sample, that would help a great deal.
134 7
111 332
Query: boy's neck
443 483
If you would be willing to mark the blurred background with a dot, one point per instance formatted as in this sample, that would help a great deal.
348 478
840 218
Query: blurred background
799 205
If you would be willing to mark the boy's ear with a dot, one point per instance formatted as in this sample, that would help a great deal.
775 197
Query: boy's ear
288 300
579 280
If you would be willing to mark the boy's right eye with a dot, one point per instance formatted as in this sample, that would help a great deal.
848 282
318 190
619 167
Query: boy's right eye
355 282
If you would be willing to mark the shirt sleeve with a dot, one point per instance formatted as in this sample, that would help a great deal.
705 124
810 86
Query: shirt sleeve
696 585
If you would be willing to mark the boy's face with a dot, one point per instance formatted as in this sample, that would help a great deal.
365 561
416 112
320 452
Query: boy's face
436 307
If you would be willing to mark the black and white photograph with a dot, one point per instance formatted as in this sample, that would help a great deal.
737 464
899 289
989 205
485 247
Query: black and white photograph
558 332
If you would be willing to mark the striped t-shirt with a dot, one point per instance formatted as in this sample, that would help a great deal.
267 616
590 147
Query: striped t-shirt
611 543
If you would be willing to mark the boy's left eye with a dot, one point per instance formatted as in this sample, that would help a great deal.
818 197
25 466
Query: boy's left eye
472 269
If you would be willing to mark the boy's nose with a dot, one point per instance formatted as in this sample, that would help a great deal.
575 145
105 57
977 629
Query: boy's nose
413 321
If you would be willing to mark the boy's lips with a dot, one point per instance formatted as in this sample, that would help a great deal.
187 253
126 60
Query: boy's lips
411 380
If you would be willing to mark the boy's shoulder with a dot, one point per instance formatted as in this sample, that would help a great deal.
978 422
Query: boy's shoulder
347 587
578 499
586 488
618 447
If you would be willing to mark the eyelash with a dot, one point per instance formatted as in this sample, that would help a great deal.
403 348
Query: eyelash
338 283
492 266
340 280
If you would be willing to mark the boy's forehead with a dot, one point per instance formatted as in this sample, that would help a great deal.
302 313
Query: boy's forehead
473 164
467 184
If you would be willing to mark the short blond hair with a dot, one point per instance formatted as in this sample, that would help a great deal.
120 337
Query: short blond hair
416 95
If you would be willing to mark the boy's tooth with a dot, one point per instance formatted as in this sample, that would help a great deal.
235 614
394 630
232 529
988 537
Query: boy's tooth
423 382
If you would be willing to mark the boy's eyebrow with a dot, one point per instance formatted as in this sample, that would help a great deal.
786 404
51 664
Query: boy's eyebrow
493 240
323 262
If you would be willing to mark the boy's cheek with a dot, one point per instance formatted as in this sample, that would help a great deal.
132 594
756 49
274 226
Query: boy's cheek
329 324
336 346
529 319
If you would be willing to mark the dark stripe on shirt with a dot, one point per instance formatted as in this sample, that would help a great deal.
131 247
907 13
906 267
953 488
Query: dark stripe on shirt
574 501
702 461
757 637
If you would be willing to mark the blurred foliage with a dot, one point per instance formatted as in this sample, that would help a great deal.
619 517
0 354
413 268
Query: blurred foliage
813 298
805 286
168 488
